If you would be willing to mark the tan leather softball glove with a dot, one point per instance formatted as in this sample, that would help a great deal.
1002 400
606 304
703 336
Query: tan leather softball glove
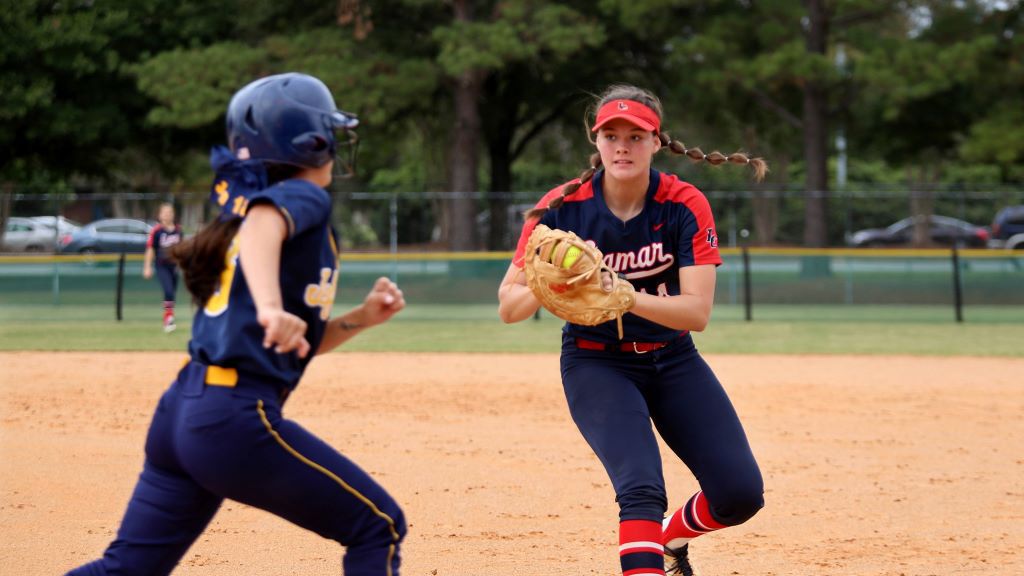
571 279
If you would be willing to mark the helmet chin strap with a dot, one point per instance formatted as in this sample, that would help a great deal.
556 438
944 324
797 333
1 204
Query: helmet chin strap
345 155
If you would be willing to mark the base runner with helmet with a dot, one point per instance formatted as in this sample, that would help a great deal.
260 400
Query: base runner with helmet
627 255
264 276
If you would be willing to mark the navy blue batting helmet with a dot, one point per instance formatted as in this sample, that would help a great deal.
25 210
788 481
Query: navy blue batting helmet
287 119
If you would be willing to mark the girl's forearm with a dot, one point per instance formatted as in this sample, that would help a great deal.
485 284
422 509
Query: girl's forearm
683 312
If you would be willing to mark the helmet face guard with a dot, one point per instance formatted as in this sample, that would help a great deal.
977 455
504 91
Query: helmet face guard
346 145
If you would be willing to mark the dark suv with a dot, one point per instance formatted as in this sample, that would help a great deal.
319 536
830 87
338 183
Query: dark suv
1008 228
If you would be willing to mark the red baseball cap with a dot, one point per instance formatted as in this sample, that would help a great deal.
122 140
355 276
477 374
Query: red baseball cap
630 110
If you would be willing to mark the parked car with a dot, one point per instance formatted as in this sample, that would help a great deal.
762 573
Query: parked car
1008 228
63 225
943 231
27 235
109 235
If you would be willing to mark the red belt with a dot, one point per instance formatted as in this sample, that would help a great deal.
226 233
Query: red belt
637 347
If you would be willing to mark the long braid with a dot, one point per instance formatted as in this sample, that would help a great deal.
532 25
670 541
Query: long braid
715 158
568 189
696 155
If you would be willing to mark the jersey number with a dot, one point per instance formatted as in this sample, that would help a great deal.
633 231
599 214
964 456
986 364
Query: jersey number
218 303
240 206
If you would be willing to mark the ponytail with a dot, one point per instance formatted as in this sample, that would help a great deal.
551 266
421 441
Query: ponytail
696 155
201 257
716 158
568 189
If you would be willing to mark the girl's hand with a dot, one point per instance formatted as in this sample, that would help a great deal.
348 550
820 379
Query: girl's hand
384 301
147 272
286 332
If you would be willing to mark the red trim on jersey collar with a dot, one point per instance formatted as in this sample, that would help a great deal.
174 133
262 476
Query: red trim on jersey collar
630 110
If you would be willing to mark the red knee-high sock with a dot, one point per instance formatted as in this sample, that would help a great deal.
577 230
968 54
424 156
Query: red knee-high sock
640 549
688 522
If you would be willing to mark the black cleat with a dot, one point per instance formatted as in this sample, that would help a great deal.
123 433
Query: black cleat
680 561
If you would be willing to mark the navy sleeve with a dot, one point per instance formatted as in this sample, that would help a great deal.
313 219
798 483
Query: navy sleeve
303 204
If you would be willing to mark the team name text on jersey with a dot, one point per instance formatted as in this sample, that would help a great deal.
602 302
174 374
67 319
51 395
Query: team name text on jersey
646 261
322 294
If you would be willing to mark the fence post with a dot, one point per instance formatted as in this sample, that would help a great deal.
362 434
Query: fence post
56 250
120 284
55 282
957 292
393 235
748 303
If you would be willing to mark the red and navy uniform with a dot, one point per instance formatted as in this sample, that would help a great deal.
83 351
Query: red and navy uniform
614 395
219 433
674 229
161 240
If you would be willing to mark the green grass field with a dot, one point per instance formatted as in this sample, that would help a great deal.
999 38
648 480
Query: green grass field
880 302
919 330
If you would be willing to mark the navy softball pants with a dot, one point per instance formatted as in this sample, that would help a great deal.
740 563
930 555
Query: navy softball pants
167 274
613 398
207 443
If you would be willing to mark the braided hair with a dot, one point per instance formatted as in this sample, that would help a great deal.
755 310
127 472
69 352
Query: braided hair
695 155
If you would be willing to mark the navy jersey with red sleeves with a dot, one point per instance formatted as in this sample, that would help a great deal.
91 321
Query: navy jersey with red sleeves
225 331
162 239
674 230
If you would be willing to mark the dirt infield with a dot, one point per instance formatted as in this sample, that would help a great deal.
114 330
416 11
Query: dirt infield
873 465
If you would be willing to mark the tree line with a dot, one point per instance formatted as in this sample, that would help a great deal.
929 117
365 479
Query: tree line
489 96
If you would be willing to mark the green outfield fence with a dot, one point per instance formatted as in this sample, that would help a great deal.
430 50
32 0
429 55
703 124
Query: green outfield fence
757 283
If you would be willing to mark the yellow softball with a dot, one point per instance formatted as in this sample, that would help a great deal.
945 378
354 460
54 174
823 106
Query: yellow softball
571 256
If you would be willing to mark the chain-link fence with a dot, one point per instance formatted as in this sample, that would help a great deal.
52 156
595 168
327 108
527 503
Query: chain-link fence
418 221
403 235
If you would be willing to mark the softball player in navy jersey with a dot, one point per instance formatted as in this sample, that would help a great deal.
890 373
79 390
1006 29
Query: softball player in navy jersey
162 238
265 285
658 232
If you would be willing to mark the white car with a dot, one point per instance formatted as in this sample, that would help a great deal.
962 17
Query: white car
64 225
28 235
